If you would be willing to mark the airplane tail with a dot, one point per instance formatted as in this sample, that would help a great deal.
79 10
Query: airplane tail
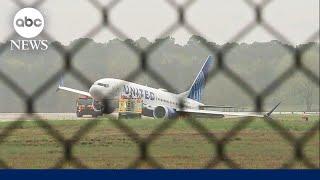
195 92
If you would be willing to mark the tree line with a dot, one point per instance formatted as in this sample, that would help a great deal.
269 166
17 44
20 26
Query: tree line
257 64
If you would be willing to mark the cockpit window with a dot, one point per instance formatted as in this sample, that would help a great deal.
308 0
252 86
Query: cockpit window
104 85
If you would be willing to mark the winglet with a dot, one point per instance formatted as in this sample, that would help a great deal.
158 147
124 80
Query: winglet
61 84
270 112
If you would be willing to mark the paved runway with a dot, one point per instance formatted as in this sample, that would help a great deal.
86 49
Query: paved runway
72 116
45 116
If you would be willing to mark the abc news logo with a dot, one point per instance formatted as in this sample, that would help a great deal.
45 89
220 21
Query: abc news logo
28 23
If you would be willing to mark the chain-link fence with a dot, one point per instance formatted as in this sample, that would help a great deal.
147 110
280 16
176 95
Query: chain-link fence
144 67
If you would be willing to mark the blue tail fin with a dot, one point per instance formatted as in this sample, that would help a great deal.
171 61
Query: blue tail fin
195 92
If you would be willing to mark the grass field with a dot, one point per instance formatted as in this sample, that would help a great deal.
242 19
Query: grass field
180 146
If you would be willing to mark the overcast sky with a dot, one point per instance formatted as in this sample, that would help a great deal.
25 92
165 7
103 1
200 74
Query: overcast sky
218 20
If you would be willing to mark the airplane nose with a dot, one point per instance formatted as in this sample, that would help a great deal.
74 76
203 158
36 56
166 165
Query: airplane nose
96 92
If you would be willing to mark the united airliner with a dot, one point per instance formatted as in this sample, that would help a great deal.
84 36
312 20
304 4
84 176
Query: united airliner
157 103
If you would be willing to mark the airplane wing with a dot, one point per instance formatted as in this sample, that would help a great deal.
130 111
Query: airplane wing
62 87
216 106
74 91
208 113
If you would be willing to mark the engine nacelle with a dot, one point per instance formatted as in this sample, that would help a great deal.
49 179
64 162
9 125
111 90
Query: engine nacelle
162 112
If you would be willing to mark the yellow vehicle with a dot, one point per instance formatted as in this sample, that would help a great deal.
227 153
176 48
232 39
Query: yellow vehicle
130 107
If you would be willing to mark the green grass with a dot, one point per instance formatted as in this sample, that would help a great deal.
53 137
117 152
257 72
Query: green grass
257 145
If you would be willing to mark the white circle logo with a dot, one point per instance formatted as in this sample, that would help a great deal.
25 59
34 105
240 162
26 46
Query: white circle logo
28 22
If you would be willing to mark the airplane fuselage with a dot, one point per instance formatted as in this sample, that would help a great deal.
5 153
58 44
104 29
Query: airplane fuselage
112 89
158 103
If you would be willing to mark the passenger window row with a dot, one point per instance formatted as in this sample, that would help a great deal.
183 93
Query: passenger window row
170 102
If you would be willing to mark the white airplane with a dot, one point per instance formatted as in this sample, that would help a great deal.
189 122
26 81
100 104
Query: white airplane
158 103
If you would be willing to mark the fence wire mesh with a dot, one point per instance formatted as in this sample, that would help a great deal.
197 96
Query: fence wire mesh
143 143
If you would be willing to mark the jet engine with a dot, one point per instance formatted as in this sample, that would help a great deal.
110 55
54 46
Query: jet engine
162 112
